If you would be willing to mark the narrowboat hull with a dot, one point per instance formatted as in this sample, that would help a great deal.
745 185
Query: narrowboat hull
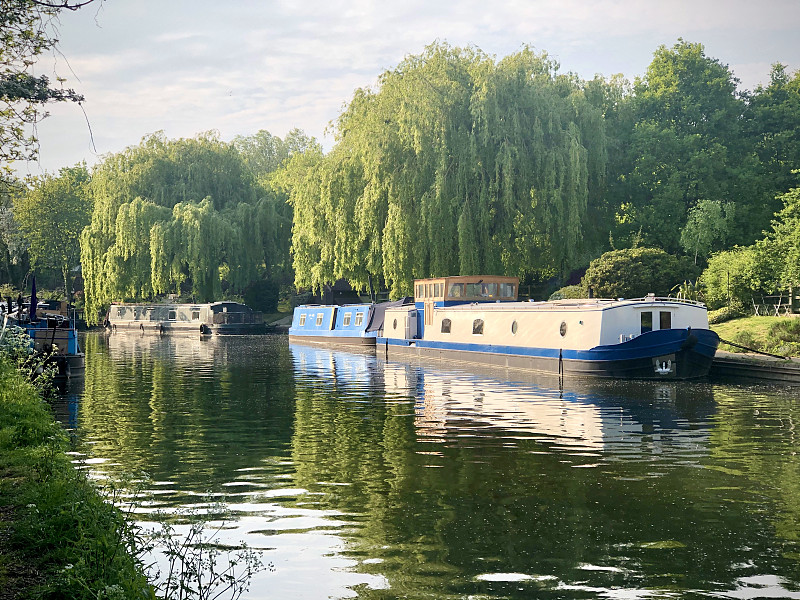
663 354
173 328
338 340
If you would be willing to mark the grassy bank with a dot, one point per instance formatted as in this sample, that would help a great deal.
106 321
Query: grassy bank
58 537
777 335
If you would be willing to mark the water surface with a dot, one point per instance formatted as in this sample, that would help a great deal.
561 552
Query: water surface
358 477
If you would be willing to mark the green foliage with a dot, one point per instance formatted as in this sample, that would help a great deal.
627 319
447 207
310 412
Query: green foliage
262 295
14 257
636 272
773 124
689 290
570 291
781 246
16 347
184 216
51 213
734 310
685 142
457 163
740 274
706 228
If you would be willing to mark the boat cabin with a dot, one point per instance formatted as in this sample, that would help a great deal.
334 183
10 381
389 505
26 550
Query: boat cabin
463 289
445 291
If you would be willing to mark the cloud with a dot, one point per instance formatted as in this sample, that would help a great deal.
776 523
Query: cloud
192 65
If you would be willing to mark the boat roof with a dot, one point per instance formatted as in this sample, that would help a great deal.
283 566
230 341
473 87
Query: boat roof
582 303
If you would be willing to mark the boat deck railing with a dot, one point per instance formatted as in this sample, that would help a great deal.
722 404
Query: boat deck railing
573 303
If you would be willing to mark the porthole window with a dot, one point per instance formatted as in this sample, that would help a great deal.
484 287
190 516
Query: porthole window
394 324
563 329
477 327
513 328
445 325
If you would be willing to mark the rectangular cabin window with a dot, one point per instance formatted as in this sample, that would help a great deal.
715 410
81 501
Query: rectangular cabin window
489 290
359 319
302 320
473 290
195 315
456 290
445 325
647 321
171 316
506 290
477 327
320 316
430 291
437 290
346 320
419 290
665 320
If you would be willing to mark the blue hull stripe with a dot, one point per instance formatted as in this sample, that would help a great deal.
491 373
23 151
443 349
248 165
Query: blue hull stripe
651 344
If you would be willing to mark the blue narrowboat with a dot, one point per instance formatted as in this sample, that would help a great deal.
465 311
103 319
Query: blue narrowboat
348 324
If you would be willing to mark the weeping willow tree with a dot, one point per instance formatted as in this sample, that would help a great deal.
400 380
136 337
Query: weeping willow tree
187 216
455 163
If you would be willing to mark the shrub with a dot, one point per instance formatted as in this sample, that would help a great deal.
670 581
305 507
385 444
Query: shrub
733 311
636 272
570 291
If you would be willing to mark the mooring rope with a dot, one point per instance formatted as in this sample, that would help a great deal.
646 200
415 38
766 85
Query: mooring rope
753 350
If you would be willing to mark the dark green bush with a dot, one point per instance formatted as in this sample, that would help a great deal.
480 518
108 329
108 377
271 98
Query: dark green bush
262 295
636 272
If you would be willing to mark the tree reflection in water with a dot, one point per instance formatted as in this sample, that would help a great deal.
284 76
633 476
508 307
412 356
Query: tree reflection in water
391 479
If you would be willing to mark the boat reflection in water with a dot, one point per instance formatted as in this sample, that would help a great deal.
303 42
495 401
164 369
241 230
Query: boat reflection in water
588 415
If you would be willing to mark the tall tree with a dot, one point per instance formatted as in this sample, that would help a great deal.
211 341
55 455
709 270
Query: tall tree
772 123
185 216
14 257
686 144
456 163
51 213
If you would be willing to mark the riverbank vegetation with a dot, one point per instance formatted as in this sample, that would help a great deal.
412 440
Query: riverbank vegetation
776 335
59 537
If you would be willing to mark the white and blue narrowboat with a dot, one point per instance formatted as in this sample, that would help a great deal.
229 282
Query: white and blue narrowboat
348 324
479 320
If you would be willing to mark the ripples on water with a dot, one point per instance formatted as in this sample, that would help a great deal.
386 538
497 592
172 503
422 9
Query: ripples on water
356 476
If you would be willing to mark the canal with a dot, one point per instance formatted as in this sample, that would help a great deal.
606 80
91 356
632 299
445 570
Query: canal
356 477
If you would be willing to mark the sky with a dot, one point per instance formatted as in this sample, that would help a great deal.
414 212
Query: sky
239 66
